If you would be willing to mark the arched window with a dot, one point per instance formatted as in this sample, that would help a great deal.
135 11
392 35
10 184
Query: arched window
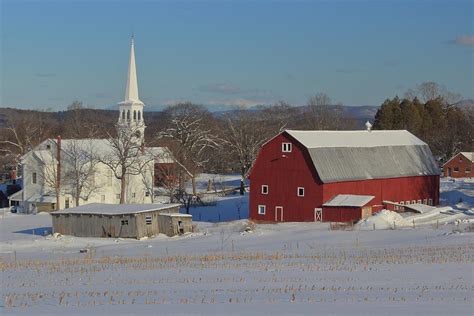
123 115
139 115
128 114
134 115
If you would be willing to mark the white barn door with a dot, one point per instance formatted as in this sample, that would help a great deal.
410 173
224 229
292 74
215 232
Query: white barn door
318 214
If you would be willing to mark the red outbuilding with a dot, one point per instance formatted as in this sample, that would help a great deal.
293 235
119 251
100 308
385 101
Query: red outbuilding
459 166
340 176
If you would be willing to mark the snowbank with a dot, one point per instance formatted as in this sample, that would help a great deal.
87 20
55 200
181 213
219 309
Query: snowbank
385 219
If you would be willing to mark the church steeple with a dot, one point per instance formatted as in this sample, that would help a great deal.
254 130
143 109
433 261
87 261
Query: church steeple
131 90
131 109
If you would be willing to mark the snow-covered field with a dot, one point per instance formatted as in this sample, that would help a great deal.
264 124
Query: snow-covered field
238 268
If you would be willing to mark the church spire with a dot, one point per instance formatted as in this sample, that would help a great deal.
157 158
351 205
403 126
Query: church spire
131 90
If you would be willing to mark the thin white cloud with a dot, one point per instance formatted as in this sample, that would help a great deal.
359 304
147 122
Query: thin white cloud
467 40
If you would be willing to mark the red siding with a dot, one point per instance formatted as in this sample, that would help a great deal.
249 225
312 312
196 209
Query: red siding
285 172
460 163
341 214
393 189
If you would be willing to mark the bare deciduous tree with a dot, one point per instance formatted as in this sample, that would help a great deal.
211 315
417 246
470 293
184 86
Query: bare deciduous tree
243 134
191 136
126 156
80 167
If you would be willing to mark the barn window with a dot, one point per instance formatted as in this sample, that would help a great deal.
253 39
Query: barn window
124 222
66 203
148 220
425 201
33 180
456 169
468 170
286 147
402 203
419 201
430 201
413 202
264 189
300 191
261 209
147 193
407 202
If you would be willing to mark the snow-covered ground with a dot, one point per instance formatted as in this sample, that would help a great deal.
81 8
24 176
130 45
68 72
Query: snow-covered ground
239 268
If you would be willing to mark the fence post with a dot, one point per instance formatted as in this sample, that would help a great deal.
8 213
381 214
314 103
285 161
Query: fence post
437 223
413 223
374 226
394 226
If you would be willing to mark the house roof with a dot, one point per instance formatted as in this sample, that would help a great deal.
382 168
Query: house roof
349 200
361 155
469 155
97 145
114 209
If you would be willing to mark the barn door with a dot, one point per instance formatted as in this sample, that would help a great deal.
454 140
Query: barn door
279 214
318 214
449 172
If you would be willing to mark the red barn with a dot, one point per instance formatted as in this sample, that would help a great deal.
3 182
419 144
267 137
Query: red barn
340 175
459 166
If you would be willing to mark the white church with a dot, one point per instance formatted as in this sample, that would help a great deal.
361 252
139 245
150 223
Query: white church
63 173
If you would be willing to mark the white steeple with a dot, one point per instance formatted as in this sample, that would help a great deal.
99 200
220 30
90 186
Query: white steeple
131 90
131 109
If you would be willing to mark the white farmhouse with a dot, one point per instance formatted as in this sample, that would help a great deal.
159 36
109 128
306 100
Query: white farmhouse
89 170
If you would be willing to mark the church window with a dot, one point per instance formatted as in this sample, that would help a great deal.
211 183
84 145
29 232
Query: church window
139 115
134 115
128 114
123 115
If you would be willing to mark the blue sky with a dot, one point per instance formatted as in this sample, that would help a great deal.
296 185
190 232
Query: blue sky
220 53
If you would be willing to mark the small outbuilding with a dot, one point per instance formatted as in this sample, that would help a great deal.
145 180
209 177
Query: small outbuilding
347 208
121 220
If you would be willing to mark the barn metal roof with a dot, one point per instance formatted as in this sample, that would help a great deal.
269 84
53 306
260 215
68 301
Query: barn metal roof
114 209
360 155
349 200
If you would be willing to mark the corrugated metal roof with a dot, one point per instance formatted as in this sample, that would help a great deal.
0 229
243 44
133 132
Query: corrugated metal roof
114 209
349 200
358 155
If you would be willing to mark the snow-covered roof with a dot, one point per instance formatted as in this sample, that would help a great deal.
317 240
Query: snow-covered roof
98 146
468 155
115 209
360 155
38 198
176 215
324 139
17 196
349 200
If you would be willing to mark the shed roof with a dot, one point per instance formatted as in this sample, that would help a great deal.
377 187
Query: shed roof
114 209
349 200
360 155
176 215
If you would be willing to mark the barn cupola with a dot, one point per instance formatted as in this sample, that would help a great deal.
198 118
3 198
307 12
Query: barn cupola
131 109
